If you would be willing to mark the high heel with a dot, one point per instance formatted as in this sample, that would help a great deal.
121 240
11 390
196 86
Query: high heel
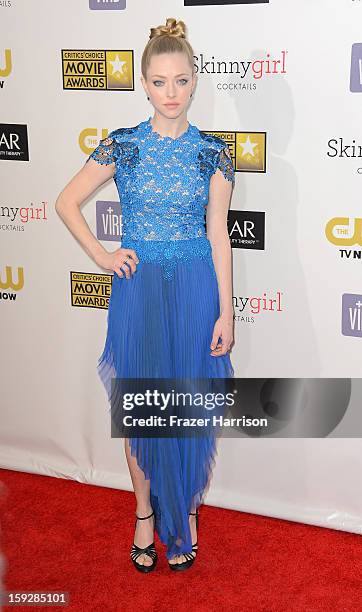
149 550
191 556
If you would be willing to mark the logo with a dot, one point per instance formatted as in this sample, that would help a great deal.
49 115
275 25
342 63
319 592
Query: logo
107 5
14 142
355 84
345 231
244 307
89 139
208 2
246 229
11 280
247 149
17 217
90 290
109 220
98 70
5 66
338 147
256 69
351 314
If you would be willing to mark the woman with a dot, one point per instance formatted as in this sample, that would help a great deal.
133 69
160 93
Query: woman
170 312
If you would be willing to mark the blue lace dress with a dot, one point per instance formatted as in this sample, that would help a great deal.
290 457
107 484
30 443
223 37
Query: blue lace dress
161 320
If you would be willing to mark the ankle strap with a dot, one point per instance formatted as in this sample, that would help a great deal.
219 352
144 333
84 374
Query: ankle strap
142 518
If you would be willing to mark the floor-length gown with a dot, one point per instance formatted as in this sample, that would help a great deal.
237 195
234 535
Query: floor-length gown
161 320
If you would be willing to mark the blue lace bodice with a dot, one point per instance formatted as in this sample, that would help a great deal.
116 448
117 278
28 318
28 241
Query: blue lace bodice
163 186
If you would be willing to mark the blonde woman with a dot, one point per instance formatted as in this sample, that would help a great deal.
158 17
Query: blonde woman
170 311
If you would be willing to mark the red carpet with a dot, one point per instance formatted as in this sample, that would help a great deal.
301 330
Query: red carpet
62 535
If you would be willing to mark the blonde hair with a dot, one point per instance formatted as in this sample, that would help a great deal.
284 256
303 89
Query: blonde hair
169 38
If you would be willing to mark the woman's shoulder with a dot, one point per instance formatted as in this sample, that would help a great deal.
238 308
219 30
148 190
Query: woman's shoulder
216 142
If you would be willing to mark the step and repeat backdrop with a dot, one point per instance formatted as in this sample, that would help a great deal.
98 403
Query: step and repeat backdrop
281 82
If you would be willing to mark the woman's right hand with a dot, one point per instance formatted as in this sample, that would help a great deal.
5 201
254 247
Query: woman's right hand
116 261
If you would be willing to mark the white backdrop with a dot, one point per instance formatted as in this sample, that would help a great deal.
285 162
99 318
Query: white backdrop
53 408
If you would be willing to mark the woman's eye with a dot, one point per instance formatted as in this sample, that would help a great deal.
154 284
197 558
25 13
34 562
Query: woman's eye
184 82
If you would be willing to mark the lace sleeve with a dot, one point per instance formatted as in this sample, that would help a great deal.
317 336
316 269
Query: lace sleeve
106 151
225 164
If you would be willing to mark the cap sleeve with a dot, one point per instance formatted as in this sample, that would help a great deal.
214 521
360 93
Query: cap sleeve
224 163
106 151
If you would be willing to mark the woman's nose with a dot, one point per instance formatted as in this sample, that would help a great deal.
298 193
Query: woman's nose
170 91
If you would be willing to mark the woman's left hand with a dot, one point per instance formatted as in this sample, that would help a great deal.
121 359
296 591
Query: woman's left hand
223 329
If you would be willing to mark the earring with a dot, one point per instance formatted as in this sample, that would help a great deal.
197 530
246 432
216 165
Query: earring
148 97
190 95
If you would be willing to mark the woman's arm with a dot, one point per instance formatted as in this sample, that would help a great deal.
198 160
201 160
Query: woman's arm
217 232
91 176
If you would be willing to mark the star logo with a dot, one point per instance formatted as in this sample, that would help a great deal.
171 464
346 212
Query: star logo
248 147
117 67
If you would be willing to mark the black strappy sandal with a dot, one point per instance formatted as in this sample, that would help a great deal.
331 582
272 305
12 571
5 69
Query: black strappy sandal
191 556
150 550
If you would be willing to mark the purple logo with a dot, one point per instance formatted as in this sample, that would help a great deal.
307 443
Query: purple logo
109 220
352 314
356 68
107 5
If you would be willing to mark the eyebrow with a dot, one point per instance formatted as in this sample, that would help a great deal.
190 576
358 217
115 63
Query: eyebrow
163 77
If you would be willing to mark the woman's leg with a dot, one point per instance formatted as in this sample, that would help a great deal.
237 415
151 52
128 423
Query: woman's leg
144 533
182 558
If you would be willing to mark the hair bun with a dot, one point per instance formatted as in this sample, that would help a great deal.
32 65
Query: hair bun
172 28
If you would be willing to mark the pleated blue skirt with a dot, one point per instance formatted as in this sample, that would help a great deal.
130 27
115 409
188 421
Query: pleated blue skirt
161 326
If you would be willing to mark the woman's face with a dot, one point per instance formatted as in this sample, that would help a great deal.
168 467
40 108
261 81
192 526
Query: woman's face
170 83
